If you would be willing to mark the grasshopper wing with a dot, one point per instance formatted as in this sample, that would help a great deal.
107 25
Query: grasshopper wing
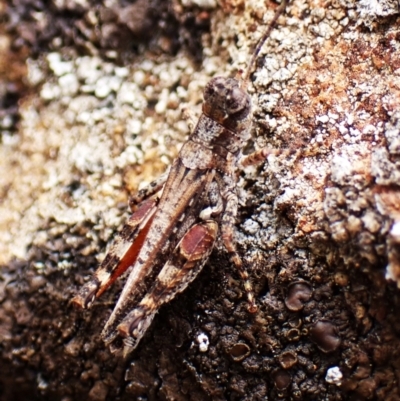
122 254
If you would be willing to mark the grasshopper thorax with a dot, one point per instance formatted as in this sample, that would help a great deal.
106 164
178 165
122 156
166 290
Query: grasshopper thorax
226 102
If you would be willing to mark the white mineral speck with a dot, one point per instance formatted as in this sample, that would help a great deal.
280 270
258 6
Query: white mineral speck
318 14
121 72
50 91
134 127
350 119
115 83
69 84
166 76
395 231
6 122
370 222
84 117
325 30
103 88
147 65
341 168
105 85
369 129
41 383
370 9
354 132
391 274
57 66
138 77
160 107
203 341
127 93
251 227
88 67
181 127
344 21
343 129
334 376
323 119
282 75
208 4
35 73
181 92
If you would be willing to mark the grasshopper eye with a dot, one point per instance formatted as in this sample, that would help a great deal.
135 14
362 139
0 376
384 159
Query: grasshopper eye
237 102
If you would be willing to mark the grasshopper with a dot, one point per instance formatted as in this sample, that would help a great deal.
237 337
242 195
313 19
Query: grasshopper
167 240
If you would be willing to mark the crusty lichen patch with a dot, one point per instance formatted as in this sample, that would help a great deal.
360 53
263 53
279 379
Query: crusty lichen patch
90 127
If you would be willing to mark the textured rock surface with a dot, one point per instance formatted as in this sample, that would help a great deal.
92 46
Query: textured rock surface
92 111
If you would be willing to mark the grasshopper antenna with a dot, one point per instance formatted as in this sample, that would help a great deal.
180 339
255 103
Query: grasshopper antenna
264 37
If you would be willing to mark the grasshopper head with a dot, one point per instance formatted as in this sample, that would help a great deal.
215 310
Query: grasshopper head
226 102
228 106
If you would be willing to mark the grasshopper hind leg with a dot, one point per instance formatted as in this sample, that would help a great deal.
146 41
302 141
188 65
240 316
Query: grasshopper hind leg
141 320
227 229
120 257
148 191
182 268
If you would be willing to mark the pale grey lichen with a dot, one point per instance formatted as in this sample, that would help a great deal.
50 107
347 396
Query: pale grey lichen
334 376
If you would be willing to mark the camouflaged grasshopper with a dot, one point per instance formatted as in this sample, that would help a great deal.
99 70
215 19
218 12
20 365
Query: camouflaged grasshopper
167 241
